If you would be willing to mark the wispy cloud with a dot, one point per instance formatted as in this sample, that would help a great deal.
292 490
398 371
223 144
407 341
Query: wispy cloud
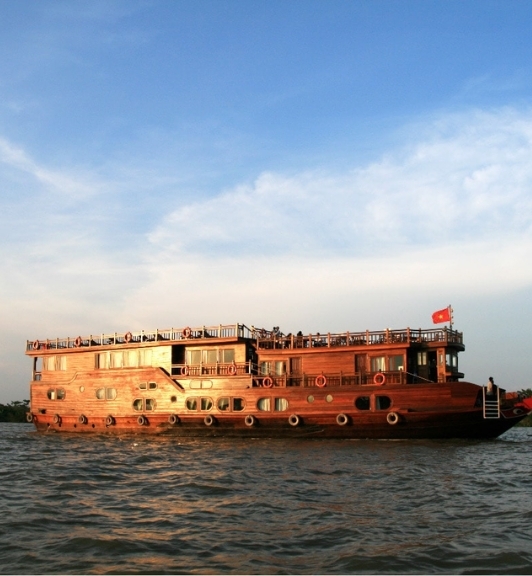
445 218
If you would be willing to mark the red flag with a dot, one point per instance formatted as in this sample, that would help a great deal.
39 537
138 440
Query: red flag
442 315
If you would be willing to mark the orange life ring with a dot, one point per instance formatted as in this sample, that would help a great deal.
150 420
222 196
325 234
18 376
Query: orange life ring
110 421
379 379
128 337
184 370
36 345
267 382
187 332
78 341
321 381
232 370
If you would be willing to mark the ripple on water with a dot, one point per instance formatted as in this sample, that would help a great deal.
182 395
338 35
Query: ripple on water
127 505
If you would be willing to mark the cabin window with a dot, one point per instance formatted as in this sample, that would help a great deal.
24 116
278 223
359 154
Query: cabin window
223 404
195 384
421 358
228 355
210 356
329 398
106 393
150 404
143 386
173 398
279 368
363 403
452 360
264 404
191 403
194 356
382 402
378 364
281 404
56 394
238 404
310 399
206 404
123 359
152 385
265 368
396 363
55 363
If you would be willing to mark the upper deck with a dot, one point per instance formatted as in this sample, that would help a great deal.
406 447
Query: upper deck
264 339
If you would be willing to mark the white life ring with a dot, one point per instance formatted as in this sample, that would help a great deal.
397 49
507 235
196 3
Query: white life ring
250 420
342 419
392 418
294 420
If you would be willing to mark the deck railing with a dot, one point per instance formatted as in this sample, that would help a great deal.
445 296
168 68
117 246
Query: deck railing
266 339
273 340
121 338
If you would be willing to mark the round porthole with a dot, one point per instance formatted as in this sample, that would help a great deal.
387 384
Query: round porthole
329 398
310 399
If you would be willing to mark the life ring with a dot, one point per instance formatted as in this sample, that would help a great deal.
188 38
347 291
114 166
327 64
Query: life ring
173 419
379 379
187 332
36 345
321 381
78 341
128 337
82 419
392 418
294 420
110 421
141 420
184 370
209 420
232 369
342 419
29 417
250 420
57 419
267 382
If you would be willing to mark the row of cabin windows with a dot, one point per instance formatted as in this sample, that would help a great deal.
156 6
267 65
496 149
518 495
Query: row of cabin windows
141 358
206 404
124 359
378 364
211 356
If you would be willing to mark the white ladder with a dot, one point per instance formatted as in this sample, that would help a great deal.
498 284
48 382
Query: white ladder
492 406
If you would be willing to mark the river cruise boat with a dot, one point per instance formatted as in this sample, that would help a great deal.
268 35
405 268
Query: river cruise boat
235 381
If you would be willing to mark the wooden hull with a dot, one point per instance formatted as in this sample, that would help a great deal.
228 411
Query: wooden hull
452 414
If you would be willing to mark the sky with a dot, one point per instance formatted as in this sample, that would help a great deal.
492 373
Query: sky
317 165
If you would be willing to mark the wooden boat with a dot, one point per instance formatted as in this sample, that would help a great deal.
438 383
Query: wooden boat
237 381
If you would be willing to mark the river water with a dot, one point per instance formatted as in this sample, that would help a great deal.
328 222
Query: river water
105 505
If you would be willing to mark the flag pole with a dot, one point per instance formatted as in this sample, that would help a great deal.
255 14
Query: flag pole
450 317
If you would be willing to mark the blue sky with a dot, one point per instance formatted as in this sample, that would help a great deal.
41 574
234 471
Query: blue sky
314 165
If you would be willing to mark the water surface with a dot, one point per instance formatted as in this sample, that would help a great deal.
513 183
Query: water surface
94 504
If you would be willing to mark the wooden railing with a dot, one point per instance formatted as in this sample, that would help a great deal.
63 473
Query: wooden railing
273 340
121 338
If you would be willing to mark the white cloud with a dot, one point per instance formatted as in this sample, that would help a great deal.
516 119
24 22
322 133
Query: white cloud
446 219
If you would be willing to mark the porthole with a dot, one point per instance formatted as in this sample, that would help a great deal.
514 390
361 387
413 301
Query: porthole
82 388
329 398
363 403
310 399
173 398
